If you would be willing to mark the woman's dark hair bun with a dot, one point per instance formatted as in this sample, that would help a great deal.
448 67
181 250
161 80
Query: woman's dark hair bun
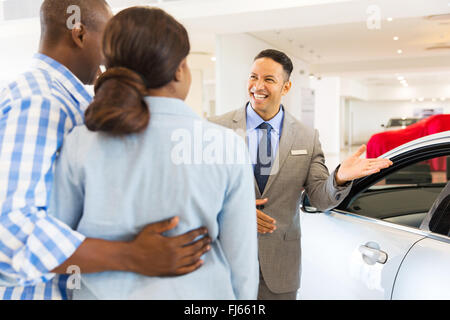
143 49
118 107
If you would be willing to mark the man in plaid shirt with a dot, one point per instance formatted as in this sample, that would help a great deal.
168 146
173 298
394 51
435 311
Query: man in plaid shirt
37 111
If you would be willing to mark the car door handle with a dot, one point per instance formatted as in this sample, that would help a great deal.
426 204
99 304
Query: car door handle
372 254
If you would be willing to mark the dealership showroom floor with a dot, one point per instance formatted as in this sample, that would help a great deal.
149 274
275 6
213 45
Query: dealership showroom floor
364 73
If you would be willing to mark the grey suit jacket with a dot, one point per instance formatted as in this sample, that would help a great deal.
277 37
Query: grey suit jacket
299 165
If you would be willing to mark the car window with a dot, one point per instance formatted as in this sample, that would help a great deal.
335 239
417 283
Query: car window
404 196
437 219
401 122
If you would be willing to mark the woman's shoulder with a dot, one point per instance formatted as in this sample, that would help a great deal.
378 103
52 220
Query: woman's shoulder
78 140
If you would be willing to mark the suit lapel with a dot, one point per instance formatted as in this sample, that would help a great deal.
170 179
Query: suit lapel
240 123
284 148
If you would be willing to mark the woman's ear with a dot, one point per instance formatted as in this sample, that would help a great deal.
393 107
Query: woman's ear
180 70
78 35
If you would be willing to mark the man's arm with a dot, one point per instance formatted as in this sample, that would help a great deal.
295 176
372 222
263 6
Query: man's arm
326 191
150 254
355 167
322 188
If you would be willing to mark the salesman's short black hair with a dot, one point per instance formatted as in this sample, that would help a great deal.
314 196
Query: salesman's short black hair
279 57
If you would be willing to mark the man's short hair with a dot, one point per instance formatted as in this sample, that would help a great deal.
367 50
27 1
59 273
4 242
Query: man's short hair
279 57
54 16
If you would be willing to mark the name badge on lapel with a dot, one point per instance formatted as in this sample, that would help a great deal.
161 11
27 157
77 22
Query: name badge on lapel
299 152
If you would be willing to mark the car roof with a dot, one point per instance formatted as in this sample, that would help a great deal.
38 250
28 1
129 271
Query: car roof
438 138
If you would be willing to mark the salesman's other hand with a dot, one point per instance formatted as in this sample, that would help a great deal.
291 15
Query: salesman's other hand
355 167
153 254
265 223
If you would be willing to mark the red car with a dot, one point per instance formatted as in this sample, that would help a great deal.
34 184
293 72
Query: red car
382 142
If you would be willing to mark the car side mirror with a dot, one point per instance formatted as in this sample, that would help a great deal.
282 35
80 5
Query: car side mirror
305 204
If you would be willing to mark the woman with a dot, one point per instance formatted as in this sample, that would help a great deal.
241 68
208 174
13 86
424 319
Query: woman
136 162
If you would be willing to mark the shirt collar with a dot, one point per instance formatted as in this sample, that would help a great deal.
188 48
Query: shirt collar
254 120
64 76
165 105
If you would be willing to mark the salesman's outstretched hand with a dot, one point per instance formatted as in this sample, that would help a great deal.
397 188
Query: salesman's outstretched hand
355 167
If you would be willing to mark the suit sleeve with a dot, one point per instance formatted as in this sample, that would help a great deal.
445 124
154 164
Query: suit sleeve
321 187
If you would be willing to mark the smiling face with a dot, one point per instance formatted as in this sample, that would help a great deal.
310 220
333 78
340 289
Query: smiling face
267 84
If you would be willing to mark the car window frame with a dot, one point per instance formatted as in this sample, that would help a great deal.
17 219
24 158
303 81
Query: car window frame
400 161
421 232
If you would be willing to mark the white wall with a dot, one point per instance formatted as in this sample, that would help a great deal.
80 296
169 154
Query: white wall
369 115
354 89
19 41
384 93
327 112
203 78
235 54
195 96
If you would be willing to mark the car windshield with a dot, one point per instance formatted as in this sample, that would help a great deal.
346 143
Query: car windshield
404 196
400 122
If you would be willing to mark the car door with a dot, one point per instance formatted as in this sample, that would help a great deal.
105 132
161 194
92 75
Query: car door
424 273
356 250
343 256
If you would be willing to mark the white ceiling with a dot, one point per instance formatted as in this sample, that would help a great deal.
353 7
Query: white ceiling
370 55
333 34
351 42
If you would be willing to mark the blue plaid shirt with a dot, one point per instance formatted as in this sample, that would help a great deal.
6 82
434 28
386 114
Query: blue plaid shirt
36 112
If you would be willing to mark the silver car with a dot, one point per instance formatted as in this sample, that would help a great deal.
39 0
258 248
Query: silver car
389 239
399 123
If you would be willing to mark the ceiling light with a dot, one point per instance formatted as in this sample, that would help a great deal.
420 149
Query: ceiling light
400 78
442 99
421 99
433 100
399 51
389 19
395 38
213 59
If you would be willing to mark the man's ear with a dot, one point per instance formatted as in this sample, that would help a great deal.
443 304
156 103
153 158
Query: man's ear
78 33
286 87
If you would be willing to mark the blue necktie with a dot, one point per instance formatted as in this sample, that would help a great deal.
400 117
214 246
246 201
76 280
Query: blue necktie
263 157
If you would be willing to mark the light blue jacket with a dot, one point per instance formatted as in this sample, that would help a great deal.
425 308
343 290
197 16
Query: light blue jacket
110 188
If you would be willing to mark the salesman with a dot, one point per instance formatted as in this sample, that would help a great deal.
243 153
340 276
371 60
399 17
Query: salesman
287 157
